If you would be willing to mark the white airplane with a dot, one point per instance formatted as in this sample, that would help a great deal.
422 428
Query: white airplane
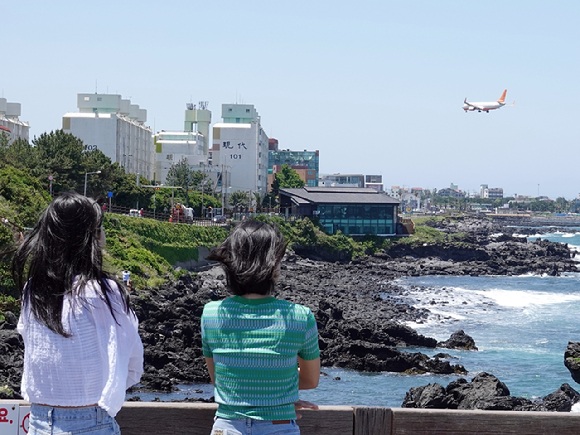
485 106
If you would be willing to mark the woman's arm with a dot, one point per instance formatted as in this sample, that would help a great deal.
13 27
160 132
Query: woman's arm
210 369
308 373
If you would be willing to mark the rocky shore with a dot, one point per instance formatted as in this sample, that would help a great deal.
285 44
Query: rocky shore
359 311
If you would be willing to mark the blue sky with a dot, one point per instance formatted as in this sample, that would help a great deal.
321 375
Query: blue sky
376 86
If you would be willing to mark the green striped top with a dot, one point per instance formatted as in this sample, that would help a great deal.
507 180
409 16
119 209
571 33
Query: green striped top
254 344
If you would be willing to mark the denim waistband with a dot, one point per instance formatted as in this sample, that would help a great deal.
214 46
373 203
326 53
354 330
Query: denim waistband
52 413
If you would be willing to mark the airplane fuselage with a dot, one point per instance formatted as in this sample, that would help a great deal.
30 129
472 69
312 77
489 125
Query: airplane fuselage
482 106
485 106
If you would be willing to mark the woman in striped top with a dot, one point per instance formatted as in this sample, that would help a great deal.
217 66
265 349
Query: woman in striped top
259 350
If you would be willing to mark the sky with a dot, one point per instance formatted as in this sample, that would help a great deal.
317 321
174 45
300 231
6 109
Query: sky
376 86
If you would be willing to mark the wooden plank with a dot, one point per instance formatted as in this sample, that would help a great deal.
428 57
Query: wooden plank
375 421
138 418
453 422
160 418
328 420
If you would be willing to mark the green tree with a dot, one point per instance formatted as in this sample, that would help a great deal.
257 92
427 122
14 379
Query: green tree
19 153
181 175
60 154
286 178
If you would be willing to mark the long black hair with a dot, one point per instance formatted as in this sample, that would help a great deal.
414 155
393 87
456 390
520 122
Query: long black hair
60 256
250 257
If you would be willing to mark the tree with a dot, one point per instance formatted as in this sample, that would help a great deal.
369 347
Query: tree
60 154
19 153
181 175
286 178
239 198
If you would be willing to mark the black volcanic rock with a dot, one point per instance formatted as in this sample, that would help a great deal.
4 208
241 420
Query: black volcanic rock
572 360
486 392
459 340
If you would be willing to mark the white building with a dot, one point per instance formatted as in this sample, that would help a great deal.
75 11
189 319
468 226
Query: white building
341 180
117 128
240 149
191 144
10 123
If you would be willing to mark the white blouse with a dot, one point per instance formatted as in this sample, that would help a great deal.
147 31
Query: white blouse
101 359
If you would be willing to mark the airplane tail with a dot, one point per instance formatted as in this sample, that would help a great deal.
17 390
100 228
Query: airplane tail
502 98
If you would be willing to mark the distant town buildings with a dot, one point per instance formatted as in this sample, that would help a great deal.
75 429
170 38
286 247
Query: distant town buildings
116 127
10 123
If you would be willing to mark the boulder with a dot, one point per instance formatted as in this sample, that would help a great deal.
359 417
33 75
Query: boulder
572 360
459 340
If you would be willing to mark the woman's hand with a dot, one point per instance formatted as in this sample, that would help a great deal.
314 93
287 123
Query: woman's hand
303 404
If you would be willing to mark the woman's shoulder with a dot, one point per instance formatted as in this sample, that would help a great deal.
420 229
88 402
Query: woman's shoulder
291 306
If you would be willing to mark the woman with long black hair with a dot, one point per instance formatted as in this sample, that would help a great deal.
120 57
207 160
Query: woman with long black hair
82 347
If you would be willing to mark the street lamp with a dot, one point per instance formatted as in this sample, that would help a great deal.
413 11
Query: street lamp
87 174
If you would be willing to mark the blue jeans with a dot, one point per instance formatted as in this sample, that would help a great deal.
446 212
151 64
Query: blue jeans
249 426
91 420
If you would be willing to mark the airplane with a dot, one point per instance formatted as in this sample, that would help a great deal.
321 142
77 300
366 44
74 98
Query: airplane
485 106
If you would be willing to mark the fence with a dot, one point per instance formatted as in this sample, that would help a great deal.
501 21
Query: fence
160 418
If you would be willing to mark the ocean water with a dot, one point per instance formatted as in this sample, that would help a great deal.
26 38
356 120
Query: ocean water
521 325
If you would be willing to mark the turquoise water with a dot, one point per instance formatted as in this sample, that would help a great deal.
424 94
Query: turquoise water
521 325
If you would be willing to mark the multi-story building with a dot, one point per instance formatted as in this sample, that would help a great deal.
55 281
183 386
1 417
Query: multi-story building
491 193
374 182
117 128
10 124
342 180
240 150
305 163
190 145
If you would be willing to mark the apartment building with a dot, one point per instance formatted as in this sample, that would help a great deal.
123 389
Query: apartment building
240 149
10 123
109 123
191 144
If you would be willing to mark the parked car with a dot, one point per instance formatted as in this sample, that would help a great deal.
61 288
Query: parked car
219 219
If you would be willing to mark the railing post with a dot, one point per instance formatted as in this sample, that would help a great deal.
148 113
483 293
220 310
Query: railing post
372 421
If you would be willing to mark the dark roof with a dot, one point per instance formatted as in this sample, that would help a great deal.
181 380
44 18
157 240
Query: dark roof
338 195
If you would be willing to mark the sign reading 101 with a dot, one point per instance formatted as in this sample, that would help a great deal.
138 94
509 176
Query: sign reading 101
228 145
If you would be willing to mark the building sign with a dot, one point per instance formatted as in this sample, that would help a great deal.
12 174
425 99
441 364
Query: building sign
14 419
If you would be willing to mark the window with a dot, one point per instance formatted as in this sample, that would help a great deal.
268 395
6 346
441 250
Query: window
230 109
247 110
87 98
99 99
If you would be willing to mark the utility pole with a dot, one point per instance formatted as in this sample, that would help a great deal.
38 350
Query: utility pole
202 183
137 193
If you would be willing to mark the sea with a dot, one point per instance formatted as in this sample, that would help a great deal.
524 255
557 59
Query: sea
520 324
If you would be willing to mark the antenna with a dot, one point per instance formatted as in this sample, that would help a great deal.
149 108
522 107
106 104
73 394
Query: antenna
96 86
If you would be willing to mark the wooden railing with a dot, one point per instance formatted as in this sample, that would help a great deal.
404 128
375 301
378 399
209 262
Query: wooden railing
160 418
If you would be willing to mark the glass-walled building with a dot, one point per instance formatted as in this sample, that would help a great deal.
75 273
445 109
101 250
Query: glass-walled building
357 219
298 160
353 211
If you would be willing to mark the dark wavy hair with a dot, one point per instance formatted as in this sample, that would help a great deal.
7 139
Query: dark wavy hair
250 257
65 244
